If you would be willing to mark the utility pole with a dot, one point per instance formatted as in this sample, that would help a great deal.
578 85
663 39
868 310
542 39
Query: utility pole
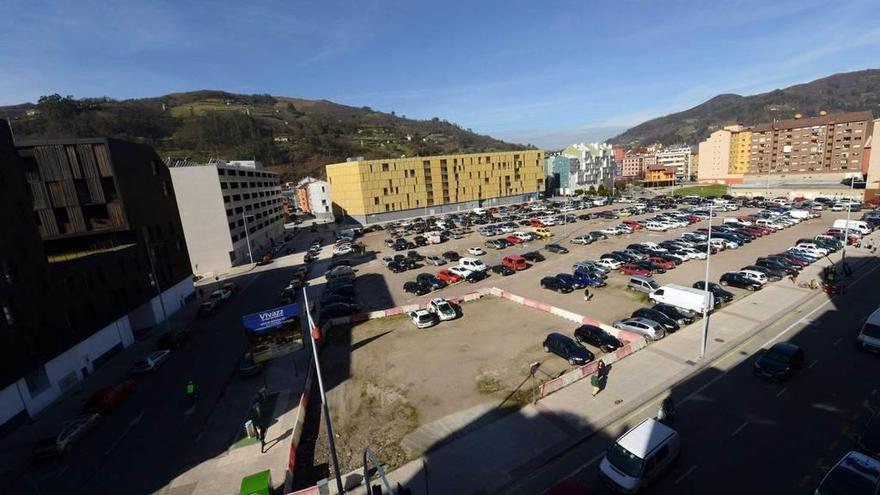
247 238
705 334
326 409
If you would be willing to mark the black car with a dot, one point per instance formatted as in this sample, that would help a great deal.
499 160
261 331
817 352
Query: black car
476 275
397 266
451 256
420 240
556 248
430 281
780 361
679 315
336 310
597 337
416 288
338 263
869 440
776 265
503 270
414 255
533 256
566 348
666 257
555 284
652 314
783 260
734 279
721 295
571 280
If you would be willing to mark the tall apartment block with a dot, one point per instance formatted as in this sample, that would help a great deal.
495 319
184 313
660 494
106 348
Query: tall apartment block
91 251
370 191
231 212
678 158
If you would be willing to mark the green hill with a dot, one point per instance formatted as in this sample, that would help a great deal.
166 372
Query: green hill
845 92
294 136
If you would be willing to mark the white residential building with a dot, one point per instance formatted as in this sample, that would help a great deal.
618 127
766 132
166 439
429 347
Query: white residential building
217 202
678 157
596 164
313 196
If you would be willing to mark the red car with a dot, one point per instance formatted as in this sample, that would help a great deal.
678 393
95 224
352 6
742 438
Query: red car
794 260
536 223
630 269
694 218
107 398
755 232
668 265
514 239
448 277
633 224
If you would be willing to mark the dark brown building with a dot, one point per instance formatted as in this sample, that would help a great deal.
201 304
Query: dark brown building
828 143
86 225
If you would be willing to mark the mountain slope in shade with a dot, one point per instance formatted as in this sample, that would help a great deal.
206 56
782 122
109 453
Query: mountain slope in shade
845 92
292 135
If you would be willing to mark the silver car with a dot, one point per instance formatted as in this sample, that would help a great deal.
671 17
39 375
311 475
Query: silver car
435 260
649 329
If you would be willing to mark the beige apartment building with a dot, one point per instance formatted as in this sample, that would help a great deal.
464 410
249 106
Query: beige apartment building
370 191
719 154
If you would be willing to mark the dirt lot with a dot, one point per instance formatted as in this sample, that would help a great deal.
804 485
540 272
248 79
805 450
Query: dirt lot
385 378
608 303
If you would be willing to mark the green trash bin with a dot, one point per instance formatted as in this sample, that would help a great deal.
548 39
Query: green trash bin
257 484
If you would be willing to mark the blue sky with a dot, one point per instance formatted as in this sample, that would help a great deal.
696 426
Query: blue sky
541 72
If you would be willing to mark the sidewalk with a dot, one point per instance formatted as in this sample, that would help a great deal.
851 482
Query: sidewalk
223 473
486 460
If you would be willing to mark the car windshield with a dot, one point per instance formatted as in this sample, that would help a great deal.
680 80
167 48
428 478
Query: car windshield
624 460
842 481
776 356
871 330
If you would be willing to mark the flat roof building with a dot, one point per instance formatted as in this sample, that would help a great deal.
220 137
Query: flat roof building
370 191
231 212
91 251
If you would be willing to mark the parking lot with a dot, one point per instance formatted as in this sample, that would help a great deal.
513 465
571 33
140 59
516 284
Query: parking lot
608 303
385 377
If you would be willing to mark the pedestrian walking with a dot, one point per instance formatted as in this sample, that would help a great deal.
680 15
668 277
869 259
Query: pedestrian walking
259 426
598 378
793 277
587 295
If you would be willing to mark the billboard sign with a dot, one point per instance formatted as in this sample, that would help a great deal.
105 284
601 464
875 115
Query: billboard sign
274 332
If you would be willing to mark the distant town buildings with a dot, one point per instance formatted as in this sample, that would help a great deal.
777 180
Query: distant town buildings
313 197
679 158
660 176
370 191
230 210
91 251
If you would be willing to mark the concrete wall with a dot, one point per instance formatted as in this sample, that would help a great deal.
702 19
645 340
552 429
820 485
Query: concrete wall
149 314
203 216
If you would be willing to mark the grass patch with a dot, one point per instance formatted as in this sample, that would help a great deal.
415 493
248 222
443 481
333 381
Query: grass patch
488 385
702 191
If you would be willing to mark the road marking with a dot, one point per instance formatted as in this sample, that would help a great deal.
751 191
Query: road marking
134 422
813 364
781 391
837 341
686 473
739 429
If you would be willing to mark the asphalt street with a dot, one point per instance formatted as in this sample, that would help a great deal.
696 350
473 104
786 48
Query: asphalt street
743 434
150 438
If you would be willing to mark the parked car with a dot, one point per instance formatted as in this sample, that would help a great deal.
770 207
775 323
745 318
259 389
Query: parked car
556 248
451 256
669 324
476 275
502 270
174 339
105 399
571 280
422 318
63 442
735 279
448 276
151 361
721 295
208 308
430 281
534 256
681 316
582 240
566 348
555 284
632 269
641 326
780 361
855 473
442 308
435 260
597 337
588 278
416 288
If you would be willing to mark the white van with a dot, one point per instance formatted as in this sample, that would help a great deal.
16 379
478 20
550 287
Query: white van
639 456
683 297
858 225
472 264
869 335
735 221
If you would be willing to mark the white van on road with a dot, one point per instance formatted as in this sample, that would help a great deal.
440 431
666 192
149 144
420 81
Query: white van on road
640 456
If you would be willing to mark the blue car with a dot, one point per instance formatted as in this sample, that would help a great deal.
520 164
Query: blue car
588 279
797 253
570 280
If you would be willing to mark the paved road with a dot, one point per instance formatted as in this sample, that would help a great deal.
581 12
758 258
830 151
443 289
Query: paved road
742 434
149 439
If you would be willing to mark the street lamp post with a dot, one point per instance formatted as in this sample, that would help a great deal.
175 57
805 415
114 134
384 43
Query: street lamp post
247 237
705 335
852 182
333 457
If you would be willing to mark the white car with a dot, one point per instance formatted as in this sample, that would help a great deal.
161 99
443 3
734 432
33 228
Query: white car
754 276
342 249
151 361
610 231
431 260
460 271
808 247
815 253
476 251
609 263
221 295
422 318
523 236
581 239
442 309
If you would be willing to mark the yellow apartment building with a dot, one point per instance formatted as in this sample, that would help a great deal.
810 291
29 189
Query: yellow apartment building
740 150
370 191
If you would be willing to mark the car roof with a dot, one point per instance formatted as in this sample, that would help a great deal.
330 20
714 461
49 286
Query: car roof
645 437
874 318
421 312
785 347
